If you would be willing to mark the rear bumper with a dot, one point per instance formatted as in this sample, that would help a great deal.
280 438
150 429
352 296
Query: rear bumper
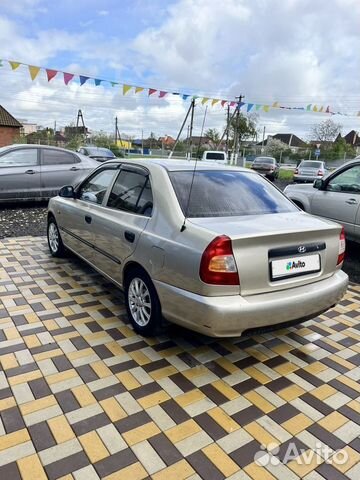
229 316
305 178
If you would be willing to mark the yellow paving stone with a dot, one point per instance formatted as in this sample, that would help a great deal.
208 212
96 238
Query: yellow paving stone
61 377
115 348
66 311
225 389
221 460
128 380
66 336
355 405
341 361
153 399
37 405
101 369
227 365
6 403
83 395
14 438
259 355
31 468
61 429
141 433
195 372
133 472
260 434
297 424
290 393
333 421
93 446
315 368
282 348
305 463
259 401
190 397
352 458
32 317
259 376
223 419
126 331
170 352
50 325
8 361
286 368
25 377
182 431
163 372
113 409
49 354
323 392
178 471
139 357
92 337
86 352
32 341
309 348
333 344
67 477
257 472
11 333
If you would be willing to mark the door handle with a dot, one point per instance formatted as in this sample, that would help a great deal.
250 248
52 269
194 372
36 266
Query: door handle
351 201
74 169
30 172
88 219
130 236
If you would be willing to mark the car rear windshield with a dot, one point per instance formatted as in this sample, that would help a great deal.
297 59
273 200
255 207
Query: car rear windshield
215 156
311 164
221 193
103 152
264 160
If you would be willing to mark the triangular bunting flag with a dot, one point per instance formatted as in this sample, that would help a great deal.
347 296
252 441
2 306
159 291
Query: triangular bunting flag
204 100
266 108
126 88
223 103
83 79
33 71
308 108
14 65
162 94
138 89
327 109
315 109
241 104
258 107
185 97
68 77
321 109
249 107
1 64
51 74
175 93
151 91
275 105
113 84
215 101
232 104
97 82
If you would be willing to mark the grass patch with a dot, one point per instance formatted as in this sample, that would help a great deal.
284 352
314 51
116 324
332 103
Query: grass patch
286 175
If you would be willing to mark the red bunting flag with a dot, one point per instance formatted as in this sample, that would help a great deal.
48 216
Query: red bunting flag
68 77
151 91
232 104
162 94
223 103
51 74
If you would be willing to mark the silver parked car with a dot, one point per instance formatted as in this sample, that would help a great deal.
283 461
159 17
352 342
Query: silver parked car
336 197
37 172
266 166
97 153
219 250
309 170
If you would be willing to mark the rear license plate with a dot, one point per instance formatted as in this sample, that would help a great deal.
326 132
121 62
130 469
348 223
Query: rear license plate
293 266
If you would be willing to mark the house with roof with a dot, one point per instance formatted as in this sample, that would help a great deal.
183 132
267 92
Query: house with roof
9 128
292 141
353 139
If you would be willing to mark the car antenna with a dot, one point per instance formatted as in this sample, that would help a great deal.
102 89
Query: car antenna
196 159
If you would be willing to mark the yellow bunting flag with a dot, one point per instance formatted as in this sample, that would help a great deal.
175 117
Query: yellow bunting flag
139 89
315 109
126 88
216 100
14 65
266 108
33 71
275 105
204 100
321 109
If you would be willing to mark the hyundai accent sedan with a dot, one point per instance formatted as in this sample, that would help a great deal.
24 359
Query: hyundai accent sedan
216 249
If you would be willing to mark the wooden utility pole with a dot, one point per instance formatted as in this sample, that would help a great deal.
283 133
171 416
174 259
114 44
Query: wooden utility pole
116 130
236 146
182 126
227 130
191 127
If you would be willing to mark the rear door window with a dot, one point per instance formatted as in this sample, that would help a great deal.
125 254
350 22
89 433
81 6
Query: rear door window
21 157
55 157
227 193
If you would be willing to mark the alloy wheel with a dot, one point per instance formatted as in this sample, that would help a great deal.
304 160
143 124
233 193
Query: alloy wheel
139 301
53 234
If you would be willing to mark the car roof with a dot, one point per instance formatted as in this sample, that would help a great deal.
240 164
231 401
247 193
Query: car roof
26 145
178 165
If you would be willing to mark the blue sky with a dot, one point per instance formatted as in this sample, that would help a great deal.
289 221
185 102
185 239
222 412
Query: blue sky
293 51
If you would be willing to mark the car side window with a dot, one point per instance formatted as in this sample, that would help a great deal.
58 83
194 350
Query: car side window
94 188
57 157
347 181
22 157
131 192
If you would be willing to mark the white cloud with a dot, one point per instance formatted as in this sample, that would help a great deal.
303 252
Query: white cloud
103 13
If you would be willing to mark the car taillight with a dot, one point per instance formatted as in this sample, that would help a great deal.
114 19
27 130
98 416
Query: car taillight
342 245
217 266
320 172
296 171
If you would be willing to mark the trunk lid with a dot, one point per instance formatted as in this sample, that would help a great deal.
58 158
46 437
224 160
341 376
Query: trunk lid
260 240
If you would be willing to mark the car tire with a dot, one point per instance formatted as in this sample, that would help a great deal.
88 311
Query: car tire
56 246
142 303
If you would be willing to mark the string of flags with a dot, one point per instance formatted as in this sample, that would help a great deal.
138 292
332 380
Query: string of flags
126 88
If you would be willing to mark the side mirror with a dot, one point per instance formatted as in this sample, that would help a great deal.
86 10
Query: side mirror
67 192
319 184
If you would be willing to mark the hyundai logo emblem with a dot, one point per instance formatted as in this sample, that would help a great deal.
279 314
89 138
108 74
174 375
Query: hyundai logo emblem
302 249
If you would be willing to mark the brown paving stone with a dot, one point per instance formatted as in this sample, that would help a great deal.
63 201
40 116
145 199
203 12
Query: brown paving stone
10 471
175 411
211 427
12 419
165 449
247 415
66 465
39 388
213 393
109 391
67 401
283 413
41 436
316 403
202 465
326 437
244 455
144 390
246 386
92 423
115 462
132 421
182 382
330 473
62 363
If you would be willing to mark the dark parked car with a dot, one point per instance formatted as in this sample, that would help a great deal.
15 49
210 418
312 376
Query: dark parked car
97 153
267 166
37 172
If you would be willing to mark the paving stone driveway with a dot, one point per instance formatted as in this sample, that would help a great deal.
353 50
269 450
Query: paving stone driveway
82 396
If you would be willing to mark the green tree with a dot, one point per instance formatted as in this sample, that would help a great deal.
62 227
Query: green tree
101 139
75 142
213 135
244 125
340 150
